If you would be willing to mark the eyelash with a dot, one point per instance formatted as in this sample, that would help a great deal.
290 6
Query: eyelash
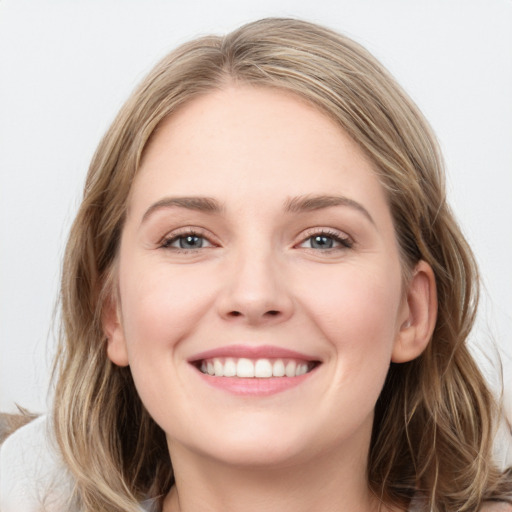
344 241
167 242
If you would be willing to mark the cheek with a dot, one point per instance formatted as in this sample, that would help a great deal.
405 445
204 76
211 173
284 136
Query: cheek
355 296
161 305
160 308
356 310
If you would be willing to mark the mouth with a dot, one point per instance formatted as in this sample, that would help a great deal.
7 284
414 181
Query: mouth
260 368
254 370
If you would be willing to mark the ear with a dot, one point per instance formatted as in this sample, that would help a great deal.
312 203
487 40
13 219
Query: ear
113 329
418 316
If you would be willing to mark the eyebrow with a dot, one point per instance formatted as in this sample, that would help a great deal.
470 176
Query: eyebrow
297 204
201 204
310 203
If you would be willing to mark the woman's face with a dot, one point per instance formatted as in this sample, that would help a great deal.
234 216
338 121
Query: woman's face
259 247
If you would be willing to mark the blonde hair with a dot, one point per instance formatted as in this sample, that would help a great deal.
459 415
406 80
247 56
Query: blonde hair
433 426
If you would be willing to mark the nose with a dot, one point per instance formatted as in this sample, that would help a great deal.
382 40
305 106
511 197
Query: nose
255 290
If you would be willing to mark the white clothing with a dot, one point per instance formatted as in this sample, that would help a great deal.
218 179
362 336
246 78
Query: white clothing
33 478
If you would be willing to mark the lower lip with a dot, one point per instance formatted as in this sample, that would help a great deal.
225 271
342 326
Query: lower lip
255 386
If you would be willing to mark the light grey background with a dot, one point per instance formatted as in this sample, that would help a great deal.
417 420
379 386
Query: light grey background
66 67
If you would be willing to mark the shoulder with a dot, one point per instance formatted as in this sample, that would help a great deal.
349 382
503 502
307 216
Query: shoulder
418 505
33 476
490 506
31 472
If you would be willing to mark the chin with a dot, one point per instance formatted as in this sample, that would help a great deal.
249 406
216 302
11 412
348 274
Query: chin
253 443
258 454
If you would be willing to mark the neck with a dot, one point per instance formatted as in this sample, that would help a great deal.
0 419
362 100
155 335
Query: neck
327 484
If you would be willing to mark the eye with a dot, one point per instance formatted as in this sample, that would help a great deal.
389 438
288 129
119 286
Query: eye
189 241
327 240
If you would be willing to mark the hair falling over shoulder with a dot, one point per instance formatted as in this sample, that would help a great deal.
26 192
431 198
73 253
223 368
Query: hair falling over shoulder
435 419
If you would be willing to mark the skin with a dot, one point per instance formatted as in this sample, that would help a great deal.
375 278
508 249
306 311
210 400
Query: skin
259 279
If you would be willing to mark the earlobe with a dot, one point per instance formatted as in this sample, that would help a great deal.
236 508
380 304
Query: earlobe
113 329
420 314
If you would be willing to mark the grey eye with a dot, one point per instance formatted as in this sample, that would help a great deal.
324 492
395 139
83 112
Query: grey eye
190 242
326 241
321 242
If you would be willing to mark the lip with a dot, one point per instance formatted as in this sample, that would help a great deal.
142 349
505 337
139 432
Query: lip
252 352
257 387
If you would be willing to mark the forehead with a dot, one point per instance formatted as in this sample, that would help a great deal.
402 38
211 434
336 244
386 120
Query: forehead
243 141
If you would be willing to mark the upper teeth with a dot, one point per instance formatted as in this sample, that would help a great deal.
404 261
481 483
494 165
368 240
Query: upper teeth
259 368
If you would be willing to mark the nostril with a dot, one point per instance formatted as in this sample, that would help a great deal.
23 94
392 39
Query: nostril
271 312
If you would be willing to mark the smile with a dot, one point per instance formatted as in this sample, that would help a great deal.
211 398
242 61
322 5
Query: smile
262 368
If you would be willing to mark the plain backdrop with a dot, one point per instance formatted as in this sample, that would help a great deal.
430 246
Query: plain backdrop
67 66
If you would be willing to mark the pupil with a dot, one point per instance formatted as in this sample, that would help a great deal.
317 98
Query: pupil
322 242
191 241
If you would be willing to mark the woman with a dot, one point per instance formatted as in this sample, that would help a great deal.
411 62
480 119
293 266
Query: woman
266 298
